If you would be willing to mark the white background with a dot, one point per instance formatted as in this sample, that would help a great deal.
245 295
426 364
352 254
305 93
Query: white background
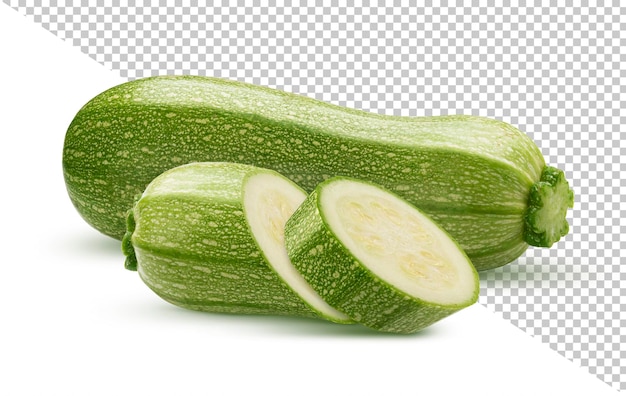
74 322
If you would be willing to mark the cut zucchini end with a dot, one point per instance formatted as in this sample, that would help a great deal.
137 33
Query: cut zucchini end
398 244
269 201
545 219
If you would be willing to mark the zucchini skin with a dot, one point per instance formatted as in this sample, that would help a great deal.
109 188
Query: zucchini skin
190 242
471 174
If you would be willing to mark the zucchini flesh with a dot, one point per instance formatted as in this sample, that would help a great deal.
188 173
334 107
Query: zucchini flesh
478 177
269 201
203 236
376 258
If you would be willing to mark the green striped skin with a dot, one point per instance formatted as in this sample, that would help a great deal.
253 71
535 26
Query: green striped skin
346 284
190 242
472 174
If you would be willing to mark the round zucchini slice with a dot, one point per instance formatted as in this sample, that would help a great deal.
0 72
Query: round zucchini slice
376 258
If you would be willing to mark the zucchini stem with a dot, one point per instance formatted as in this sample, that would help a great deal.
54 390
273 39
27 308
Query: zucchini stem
549 199
127 245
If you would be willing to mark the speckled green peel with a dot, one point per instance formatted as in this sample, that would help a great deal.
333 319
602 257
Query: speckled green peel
548 202
347 284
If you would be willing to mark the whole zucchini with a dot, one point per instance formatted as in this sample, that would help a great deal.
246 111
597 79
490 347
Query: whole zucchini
483 180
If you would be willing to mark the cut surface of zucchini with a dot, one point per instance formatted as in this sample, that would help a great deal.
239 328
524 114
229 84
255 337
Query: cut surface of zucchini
269 201
398 243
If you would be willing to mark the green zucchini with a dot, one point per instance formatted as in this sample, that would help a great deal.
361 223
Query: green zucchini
376 258
209 237
483 180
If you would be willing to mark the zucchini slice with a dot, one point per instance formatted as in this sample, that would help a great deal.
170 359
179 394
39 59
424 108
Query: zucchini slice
381 261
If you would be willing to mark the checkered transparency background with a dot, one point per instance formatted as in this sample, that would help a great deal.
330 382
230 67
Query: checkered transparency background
556 72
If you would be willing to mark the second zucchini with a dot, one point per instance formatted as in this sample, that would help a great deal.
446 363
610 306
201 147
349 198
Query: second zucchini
209 237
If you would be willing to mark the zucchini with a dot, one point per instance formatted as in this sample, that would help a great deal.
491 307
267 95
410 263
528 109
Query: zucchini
209 237
376 258
483 180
